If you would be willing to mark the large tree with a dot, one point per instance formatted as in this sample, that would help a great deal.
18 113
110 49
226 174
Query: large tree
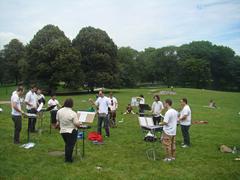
99 57
51 59
195 73
128 67
13 57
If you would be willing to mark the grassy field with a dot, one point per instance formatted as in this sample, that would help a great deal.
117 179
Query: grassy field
122 156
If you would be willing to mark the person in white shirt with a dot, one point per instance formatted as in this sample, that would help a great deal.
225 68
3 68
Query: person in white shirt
185 122
113 108
53 104
17 114
157 108
68 122
169 131
102 103
141 102
31 106
40 97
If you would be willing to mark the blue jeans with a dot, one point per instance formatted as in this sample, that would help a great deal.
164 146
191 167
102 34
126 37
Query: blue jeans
103 118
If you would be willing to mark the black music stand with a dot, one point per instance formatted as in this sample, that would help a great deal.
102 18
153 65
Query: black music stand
83 128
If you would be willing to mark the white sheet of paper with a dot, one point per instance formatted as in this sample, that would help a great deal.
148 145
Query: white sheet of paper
40 107
83 116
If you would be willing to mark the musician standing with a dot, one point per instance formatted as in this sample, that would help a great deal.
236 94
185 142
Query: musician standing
17 114
31 106
53 102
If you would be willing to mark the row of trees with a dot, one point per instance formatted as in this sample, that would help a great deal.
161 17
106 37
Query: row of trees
93 60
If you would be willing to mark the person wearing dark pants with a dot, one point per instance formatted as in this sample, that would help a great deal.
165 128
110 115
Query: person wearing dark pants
31 106
185 122
17 114
68 122
102 104
157 108
70 141
113 108
185 133
32 120
103 118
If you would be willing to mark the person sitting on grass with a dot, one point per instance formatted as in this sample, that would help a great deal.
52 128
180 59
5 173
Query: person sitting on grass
212 104
129 110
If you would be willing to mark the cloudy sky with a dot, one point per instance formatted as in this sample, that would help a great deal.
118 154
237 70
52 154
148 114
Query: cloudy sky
136 23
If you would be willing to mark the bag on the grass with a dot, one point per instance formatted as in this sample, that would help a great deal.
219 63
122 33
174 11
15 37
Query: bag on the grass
225 149
150 137
94 136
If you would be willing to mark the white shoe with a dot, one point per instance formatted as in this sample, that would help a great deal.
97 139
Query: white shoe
167 159
173 158
185 146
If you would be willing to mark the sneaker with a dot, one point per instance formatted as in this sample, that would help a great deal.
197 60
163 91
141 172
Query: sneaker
167 159
173 158
184 146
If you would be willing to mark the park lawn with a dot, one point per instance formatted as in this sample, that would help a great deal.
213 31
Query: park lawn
122 156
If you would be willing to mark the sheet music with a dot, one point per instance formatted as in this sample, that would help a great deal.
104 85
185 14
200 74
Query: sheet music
83 117
86 116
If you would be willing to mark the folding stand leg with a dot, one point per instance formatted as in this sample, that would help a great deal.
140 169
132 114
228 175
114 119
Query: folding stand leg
50 127
76 150
83 143
28 130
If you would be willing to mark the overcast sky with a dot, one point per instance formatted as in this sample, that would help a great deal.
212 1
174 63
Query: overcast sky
136 23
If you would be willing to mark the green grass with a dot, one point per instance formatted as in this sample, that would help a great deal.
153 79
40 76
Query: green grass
123 154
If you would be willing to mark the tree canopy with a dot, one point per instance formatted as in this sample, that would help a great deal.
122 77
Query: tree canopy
92 59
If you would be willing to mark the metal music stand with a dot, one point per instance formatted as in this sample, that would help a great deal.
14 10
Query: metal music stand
84 117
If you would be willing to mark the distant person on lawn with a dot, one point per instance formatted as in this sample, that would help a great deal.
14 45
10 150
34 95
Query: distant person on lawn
212 104
157 108
68 122
102 104
17 113
169 131
141 102
113 108
129 110
185 122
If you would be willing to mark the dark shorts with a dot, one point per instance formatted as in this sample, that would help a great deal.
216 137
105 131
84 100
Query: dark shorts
53 117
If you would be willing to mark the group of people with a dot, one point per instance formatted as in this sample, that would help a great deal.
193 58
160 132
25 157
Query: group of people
33 99
67 120
169 122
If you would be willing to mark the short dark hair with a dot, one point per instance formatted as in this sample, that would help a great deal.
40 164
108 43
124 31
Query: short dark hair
184 100
141 96
20 89
68 103
33 86
169 102
157 96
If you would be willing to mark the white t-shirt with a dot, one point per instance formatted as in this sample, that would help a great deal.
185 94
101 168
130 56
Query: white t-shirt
156 108
113 104
186 111
15 99
31 98
102 103
171 117
141 100
40 96
52 102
